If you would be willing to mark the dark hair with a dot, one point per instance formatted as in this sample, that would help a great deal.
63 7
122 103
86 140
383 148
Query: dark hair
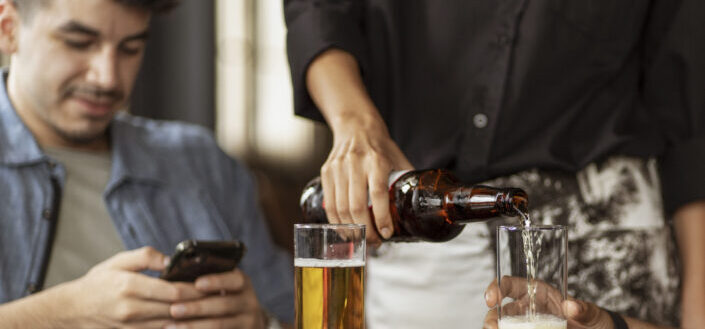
26 7
154 6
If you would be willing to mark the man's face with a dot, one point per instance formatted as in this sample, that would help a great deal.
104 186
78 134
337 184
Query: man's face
75 65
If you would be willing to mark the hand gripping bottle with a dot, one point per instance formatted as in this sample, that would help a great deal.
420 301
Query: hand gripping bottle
429 205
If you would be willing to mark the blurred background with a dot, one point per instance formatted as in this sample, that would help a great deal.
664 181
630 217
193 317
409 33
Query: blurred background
222 64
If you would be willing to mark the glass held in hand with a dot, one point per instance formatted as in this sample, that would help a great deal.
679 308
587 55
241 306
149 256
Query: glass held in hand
532 276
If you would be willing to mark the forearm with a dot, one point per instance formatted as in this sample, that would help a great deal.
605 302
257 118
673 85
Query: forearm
690 233
638 324
335 85
363 153
35 311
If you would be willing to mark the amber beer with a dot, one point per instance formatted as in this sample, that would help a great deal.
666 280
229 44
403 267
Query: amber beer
329 262
329 293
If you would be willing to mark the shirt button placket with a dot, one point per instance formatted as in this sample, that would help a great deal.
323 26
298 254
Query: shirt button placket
476 146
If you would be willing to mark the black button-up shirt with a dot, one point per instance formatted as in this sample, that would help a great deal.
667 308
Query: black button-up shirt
489 87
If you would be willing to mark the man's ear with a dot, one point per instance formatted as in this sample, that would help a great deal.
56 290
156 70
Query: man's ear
9 22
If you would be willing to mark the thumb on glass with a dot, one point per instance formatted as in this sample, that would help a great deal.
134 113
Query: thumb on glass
588 315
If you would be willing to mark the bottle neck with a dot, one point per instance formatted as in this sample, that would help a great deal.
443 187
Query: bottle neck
513 202
477 203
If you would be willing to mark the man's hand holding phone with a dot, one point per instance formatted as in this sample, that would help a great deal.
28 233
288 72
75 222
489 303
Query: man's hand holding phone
113 294
228 301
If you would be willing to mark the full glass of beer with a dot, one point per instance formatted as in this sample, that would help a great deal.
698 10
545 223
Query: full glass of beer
532 276
329 262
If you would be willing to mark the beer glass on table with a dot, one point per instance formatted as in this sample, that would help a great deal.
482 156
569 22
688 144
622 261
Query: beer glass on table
532 260
329 262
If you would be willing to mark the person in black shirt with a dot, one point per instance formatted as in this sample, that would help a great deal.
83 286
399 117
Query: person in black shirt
491 89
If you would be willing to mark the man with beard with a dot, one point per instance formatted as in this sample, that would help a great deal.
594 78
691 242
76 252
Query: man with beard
90 197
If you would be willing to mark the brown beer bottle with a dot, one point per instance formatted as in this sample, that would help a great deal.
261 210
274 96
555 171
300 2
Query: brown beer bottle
429 205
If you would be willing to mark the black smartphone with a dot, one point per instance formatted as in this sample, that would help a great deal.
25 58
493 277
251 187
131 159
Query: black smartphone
194 258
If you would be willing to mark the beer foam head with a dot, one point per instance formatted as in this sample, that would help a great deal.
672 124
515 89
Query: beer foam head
542 321
311 262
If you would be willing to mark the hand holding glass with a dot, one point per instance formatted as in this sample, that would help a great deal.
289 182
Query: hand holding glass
531 276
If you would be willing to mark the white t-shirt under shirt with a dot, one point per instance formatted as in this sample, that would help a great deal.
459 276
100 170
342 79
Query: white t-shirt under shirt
85 235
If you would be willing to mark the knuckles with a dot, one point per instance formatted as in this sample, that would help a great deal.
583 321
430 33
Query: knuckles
378 160
342 210
252 322
244 280
331 212
377 191
358 210
175 293
125 285
147 253
326 170
239 280
335 164
192 309
354 154
125 311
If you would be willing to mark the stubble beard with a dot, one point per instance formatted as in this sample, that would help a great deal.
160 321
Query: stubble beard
77 137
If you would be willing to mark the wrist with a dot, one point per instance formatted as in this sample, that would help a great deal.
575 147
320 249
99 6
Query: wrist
354 119
40 310
57 306
59 303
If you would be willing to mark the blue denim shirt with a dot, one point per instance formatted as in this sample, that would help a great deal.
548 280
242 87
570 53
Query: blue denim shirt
169 182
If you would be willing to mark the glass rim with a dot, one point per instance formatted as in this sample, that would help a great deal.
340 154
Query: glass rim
542 227
328 226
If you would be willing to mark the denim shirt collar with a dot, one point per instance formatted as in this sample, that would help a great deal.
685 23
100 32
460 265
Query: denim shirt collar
131 159
18 147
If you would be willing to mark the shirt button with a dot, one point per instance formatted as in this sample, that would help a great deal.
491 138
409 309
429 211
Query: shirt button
132 232
479 120
46 214
32 288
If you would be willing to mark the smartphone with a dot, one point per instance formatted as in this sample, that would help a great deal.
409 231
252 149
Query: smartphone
194 258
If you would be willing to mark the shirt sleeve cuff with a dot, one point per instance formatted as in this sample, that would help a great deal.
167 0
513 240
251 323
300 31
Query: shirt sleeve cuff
312 31
682 170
